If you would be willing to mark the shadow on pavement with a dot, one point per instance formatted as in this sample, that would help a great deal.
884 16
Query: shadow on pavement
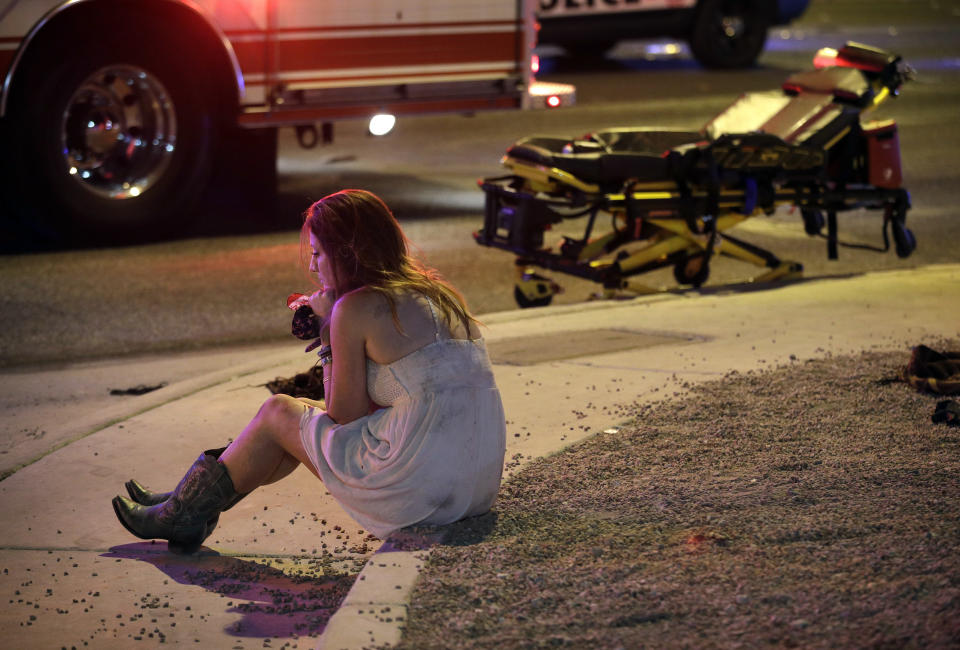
750 287
273 603
465 532
238 213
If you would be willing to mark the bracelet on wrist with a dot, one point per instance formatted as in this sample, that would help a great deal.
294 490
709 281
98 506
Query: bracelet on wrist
326 356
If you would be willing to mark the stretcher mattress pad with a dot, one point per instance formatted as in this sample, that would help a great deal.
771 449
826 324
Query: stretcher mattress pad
607 157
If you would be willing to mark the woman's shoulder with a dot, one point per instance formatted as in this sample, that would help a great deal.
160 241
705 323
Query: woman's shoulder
358 299
357 315
364 303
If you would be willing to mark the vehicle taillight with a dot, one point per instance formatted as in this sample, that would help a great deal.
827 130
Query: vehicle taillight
553 101
825 57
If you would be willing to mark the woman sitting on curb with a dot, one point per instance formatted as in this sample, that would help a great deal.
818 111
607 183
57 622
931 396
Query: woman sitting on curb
413 431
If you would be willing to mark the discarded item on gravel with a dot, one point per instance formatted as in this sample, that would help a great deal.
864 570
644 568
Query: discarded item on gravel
307 384
947 412
140 389
936 372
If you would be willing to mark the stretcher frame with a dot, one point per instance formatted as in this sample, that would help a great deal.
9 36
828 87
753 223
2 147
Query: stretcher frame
712 186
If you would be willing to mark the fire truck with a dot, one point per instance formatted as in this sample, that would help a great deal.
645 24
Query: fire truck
721 33
115 113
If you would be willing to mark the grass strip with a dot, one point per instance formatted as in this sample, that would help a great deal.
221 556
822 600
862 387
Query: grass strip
815 505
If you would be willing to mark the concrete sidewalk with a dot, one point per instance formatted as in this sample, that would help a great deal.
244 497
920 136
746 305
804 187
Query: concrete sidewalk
282 564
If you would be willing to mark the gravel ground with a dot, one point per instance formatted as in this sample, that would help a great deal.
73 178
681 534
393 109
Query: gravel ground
815 505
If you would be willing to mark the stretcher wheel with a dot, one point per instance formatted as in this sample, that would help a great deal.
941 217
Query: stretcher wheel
533 289
813 221
693 269
524 302
904 239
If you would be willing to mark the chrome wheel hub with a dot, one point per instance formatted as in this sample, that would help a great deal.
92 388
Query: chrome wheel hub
733 27
119 132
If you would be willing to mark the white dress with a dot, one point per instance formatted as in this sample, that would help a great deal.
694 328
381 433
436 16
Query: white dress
433 455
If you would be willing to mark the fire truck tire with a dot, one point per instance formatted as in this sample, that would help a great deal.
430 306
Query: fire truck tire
116 143
244 180
729 33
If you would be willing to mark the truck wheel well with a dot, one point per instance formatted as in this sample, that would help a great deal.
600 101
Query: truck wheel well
119 109
164 14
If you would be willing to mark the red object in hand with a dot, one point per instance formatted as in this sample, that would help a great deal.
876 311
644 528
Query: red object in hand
297 300
306 324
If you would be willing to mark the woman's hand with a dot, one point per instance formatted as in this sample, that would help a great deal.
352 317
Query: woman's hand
321 302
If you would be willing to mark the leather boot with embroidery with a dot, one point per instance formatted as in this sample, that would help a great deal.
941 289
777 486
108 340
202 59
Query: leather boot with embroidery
189 515
145 497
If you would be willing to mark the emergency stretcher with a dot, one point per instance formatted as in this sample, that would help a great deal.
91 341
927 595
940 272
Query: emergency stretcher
672 196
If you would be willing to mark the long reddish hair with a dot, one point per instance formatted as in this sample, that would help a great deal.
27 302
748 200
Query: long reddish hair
367 248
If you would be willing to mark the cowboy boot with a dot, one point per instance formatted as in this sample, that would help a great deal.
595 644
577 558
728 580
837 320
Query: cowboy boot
188 517
145 497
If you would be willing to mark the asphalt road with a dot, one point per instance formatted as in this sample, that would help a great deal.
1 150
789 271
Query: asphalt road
225 282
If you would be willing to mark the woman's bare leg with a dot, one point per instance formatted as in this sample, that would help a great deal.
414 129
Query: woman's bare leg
269 448
286 467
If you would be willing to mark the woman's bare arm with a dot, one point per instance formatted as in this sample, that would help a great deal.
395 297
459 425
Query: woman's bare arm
345 388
